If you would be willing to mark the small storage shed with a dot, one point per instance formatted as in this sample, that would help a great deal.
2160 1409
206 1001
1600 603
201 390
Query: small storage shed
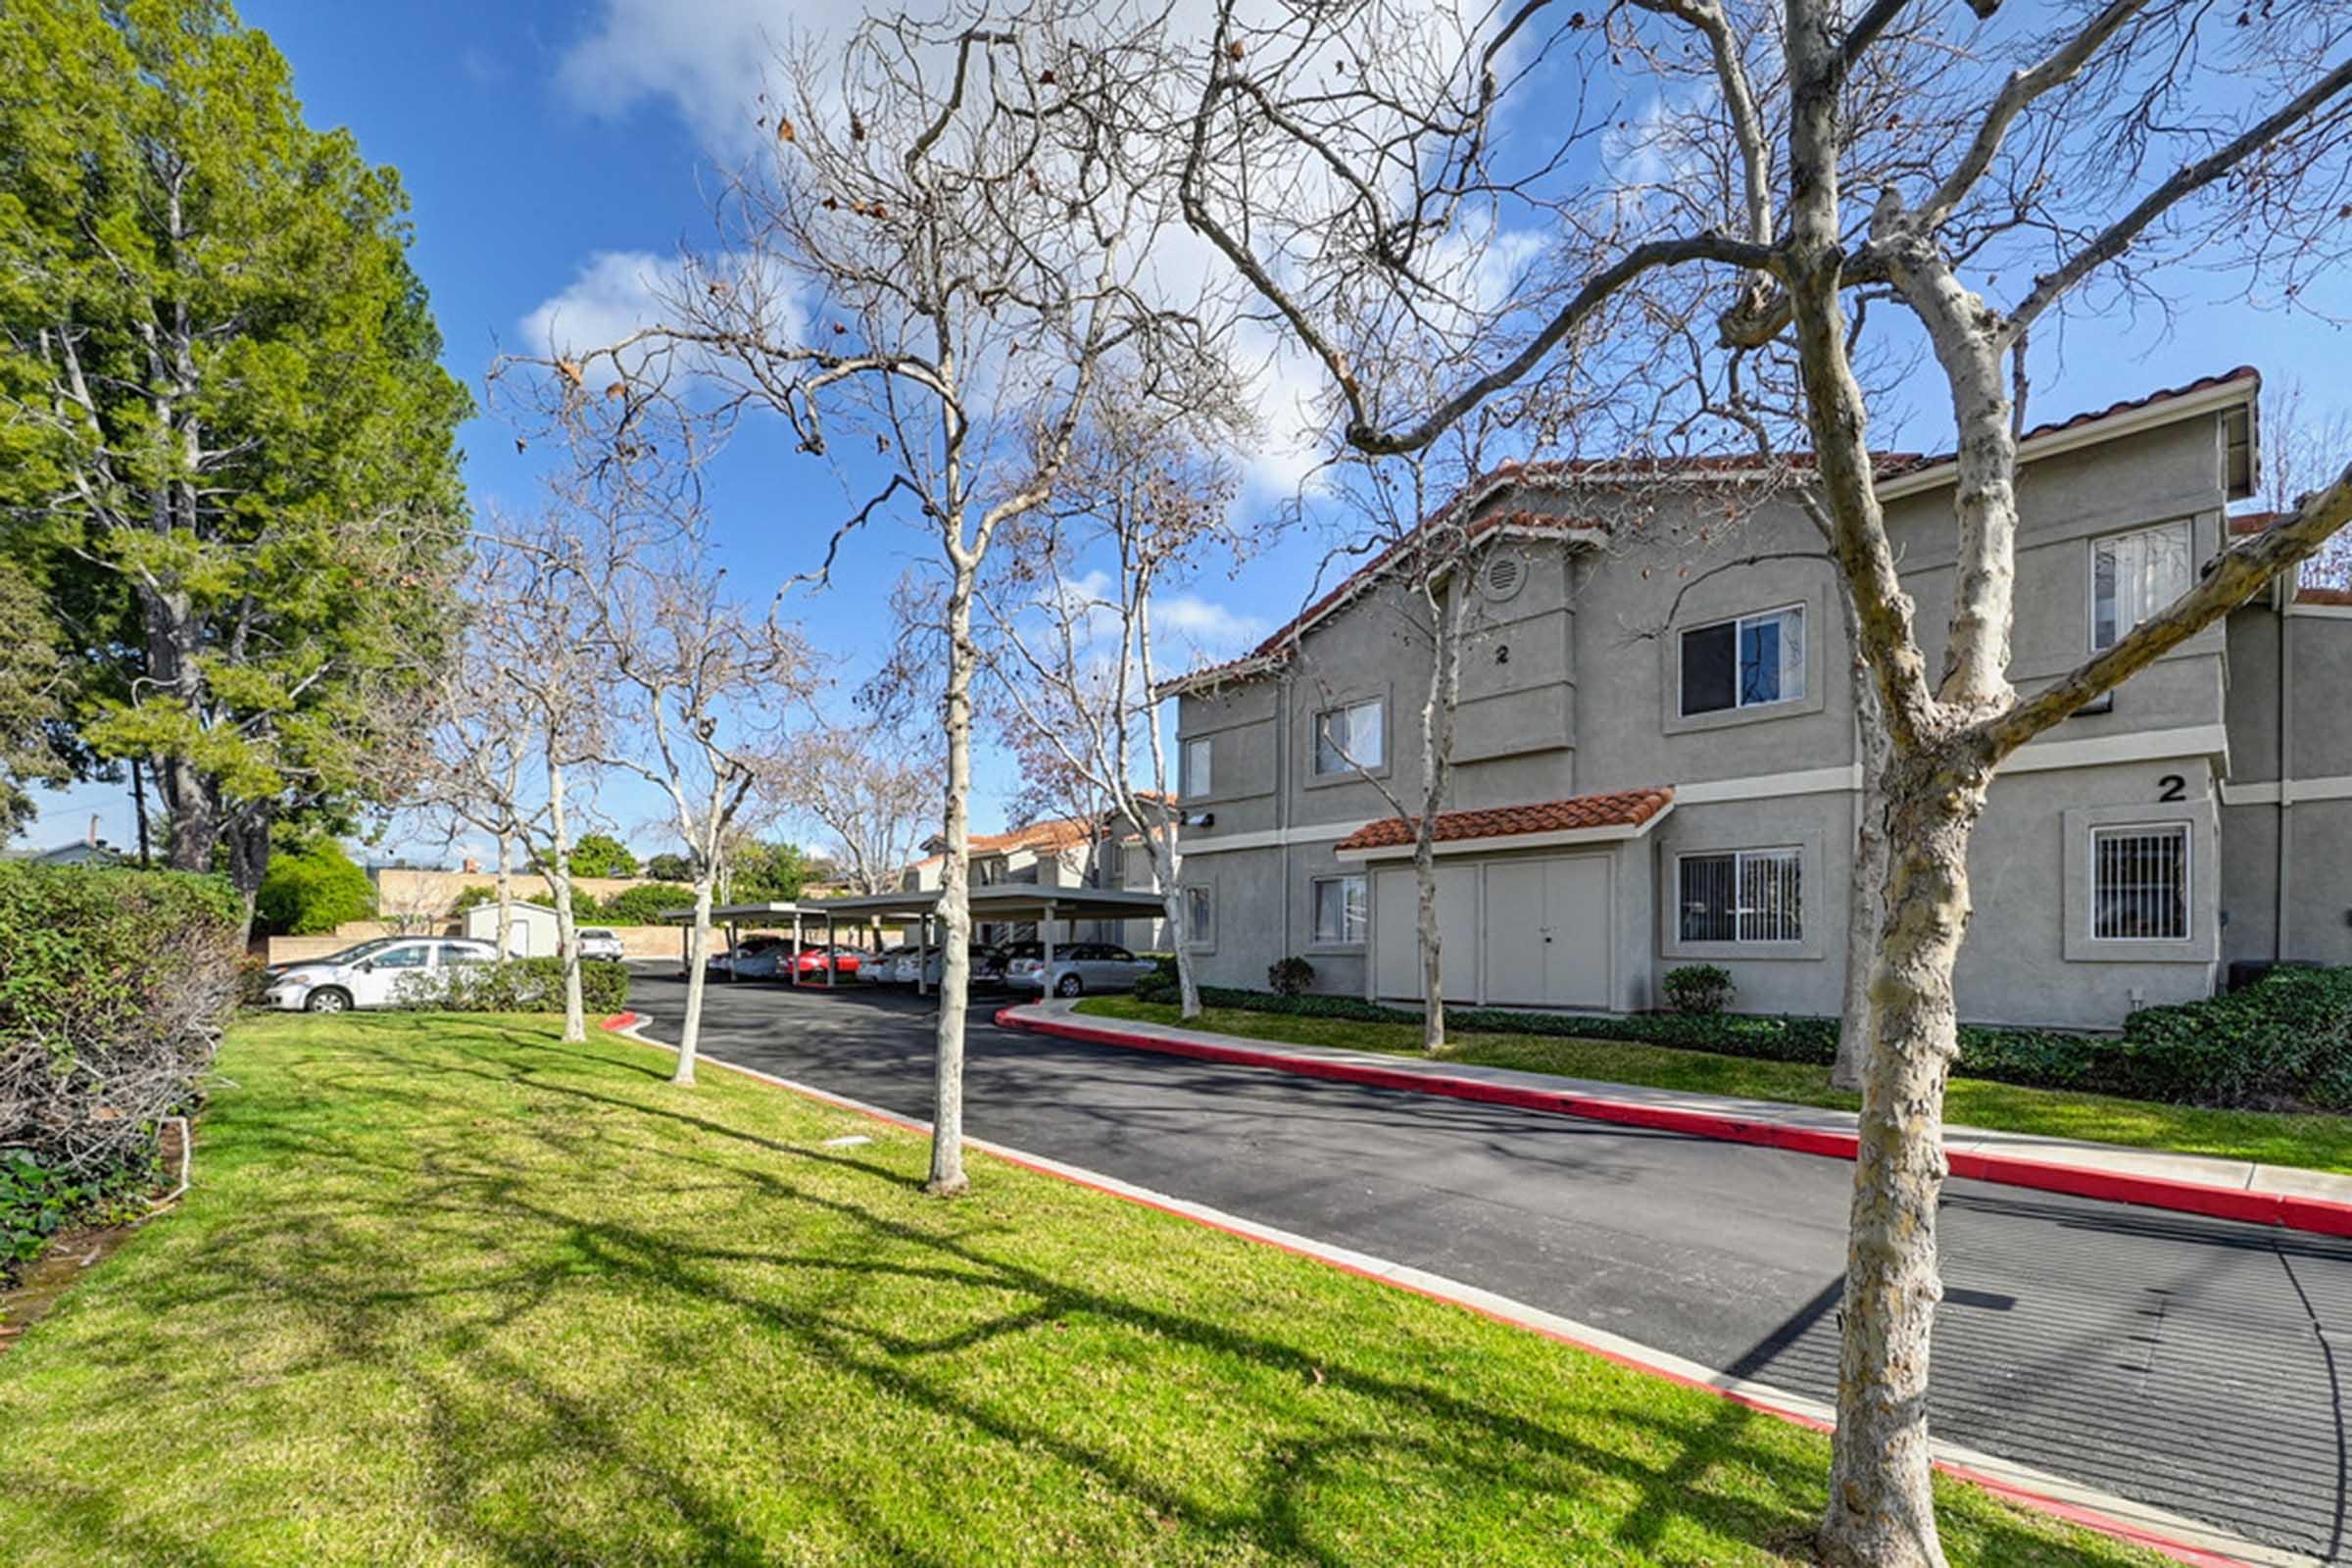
530 928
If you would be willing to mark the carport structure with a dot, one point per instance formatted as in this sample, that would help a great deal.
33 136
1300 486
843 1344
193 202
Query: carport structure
919 909
1028 902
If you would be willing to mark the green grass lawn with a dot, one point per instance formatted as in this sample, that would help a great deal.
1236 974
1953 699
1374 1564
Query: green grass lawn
2316 1142
449 1291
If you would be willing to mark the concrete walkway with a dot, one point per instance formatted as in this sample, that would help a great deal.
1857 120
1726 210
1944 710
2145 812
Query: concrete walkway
2320 1201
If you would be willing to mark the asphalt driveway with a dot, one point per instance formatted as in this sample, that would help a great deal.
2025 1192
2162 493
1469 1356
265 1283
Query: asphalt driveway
2187 1363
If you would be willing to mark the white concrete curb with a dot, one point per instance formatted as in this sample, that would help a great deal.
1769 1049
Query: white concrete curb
2149 1526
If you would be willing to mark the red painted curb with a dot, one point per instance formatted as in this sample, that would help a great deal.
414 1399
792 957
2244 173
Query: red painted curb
2022 1497
622 1020
2314 1214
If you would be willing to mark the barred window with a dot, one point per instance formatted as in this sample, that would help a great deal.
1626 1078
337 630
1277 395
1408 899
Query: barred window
2139 883
1339 908
1742 895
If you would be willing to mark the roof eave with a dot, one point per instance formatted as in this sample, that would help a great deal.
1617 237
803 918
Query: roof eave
2242 389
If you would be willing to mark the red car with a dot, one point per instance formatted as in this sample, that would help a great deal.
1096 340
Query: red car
811 961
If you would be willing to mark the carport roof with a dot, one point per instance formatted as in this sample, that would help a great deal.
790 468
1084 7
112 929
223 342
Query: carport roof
731 911
1014 900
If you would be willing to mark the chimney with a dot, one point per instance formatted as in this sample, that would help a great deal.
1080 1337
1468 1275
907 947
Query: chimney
473 865
95 840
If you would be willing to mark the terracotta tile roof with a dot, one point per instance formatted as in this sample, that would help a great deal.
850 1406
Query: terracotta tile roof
1620 809
1055 833
2203 384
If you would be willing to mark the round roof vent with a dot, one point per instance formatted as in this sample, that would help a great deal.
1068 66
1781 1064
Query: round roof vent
1504 577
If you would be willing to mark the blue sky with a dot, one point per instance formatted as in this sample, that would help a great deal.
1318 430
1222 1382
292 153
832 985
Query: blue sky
552 154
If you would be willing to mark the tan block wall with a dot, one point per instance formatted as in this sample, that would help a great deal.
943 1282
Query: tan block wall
428 895
636 940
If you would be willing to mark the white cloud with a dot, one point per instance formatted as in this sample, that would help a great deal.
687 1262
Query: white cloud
614 293
706 57
1210 626
611 296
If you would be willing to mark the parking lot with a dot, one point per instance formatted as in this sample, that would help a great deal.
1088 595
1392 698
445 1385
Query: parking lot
2187 1363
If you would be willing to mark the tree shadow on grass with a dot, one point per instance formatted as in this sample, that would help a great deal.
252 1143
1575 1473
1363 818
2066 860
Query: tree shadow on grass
422 1262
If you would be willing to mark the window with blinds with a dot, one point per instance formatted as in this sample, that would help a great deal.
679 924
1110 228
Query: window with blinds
2136 574
1742 895
2139 883
1349 738
1339 908
1200 918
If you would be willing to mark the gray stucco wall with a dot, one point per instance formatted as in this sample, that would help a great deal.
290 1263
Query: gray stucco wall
2313 813
1570 686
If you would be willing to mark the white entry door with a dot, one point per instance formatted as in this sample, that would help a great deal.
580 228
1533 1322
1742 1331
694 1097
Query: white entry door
1397 932
1548 932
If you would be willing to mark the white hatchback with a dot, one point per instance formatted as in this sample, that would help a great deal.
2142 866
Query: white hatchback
369 974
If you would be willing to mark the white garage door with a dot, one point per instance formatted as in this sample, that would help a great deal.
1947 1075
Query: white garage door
1537 932
1397 926
1548 932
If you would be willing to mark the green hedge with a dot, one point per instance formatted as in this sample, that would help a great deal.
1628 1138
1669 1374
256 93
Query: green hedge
516 985
115 986
2285 1040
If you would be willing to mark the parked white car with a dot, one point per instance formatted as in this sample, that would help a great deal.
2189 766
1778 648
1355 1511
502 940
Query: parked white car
369 975
1078 970
883 967
600 942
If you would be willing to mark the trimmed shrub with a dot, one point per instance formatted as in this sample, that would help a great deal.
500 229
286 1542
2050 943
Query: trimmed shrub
1699 989
2287 1039
115 986
601 854
312 890
643 904
1291 976
514 985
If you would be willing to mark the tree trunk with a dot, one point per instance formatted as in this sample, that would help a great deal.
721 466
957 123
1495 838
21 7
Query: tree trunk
1882 1503
1167 869
1437 766
138 806
558 880
505 894
247 830
955 900
1866 906
1433 982
690 1034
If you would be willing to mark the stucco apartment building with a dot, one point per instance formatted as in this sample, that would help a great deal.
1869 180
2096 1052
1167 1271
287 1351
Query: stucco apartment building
1085 850
1657 754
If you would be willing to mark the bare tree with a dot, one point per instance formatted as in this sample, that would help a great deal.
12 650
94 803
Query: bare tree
873 791
2065 158
951 242
529 626
699 685
474 744
2298 442
1425 569
1071 640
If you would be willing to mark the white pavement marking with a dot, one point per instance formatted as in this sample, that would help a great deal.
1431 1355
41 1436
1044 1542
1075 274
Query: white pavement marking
2058 1494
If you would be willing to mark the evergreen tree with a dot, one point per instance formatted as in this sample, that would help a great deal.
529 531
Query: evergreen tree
224 431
